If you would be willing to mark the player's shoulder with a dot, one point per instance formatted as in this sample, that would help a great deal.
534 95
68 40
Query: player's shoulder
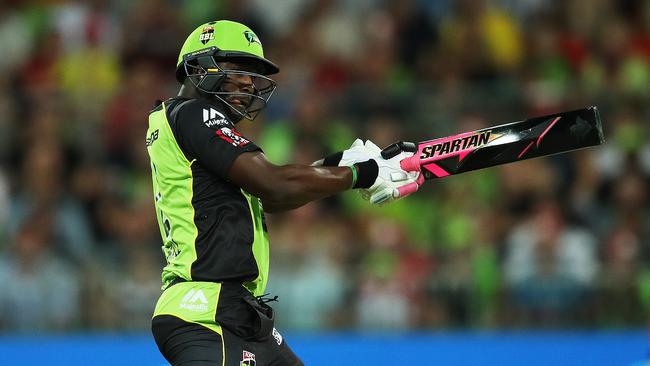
198 111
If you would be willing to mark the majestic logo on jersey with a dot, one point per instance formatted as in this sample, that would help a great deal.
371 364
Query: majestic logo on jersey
457 145
252 38
153 137
207 34
194 300
248 359
213 118
232 137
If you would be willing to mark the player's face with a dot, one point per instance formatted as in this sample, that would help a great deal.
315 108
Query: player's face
238 84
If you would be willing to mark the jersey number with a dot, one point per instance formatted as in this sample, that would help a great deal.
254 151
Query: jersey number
170 247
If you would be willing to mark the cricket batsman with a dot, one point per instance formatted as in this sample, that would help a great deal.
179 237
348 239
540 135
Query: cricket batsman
211 187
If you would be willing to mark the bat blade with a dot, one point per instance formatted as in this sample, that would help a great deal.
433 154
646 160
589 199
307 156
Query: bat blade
530 138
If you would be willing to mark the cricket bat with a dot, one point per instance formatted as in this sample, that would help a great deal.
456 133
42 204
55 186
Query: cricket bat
530 138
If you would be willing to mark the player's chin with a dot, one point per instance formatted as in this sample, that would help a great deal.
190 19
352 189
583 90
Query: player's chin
240 105
240 108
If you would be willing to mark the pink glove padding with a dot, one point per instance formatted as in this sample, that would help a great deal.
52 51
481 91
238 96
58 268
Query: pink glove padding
407 189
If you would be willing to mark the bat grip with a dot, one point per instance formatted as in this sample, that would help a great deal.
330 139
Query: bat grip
411 164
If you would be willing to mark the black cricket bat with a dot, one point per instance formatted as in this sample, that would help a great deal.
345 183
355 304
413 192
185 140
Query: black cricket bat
530 138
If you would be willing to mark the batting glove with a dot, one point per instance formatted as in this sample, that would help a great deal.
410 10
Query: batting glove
392 181
357 153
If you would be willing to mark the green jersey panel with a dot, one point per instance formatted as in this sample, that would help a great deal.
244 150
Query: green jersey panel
171 175
260 246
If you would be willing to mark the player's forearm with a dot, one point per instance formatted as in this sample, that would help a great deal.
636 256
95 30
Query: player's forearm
295 185
284 187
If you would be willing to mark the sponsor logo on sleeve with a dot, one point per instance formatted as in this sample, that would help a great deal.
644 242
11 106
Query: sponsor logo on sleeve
213 118
232 137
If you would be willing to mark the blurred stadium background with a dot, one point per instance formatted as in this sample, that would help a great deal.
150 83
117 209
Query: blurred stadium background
530 263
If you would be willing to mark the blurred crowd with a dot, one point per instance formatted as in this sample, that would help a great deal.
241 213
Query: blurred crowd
554 242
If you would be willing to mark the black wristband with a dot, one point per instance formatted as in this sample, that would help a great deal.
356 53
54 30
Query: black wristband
333 159
367 173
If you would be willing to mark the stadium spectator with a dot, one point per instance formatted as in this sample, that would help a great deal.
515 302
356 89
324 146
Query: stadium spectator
550 265
43 188
40 289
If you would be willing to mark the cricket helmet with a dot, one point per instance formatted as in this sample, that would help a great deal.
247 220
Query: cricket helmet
221 41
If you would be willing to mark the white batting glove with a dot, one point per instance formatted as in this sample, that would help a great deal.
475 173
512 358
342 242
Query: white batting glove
392 181
355 154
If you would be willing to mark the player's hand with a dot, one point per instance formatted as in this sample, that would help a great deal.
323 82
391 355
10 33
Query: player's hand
392 181
358 152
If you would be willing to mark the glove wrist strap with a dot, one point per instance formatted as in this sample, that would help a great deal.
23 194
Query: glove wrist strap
367 173
353 169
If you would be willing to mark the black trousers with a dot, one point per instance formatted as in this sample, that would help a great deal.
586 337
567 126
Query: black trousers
240 332
191 344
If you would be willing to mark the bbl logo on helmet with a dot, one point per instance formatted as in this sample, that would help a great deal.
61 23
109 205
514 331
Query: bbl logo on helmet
207 34
252 38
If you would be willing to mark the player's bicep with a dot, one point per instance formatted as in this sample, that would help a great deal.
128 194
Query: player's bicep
255 174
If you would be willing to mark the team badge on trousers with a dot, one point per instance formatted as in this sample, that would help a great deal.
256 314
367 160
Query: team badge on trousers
248 359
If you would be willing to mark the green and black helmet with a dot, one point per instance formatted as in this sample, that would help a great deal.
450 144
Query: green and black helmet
227 41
